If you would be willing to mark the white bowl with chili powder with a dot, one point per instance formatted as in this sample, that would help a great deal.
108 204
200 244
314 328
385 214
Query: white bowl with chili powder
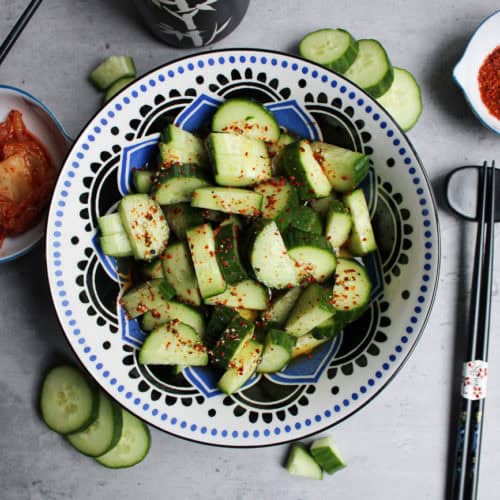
478 72
42 126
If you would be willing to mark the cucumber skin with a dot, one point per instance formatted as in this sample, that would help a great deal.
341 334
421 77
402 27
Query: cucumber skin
227 254
298 451
306 219
232 338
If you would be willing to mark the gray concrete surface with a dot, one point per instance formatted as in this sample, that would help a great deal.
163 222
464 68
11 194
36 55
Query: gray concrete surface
397 447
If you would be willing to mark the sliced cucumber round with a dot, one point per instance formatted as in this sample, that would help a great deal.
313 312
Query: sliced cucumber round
246 117
68 402
334 48
403 100
102 434
132 447
372 69
278 350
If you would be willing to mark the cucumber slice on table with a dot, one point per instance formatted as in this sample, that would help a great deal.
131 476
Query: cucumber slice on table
301 463
117 87
68 402
334 48
102 434
403 100
111 70
372 69
306 219
143 180
145 225
181 147
201 242
278 350
179 272
280 201
248 294
228 256
344 168
132 447
116 245
241 368
362 240
312 308
338 224
146 297
327 455
304 171
238 160
169 310
312 252
110 224
173 343
177 183
228 200
281 306
182 216
351 292
245 117
270 260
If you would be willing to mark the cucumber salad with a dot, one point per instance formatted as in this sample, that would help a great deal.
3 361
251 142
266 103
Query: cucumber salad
247 243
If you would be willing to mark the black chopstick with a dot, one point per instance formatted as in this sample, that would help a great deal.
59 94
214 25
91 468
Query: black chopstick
18 28
466 474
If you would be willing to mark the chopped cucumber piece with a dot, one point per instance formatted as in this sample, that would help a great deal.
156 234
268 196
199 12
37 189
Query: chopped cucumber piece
306 219
334 48
145 225
68 402
116 245
102 434
344 168
312 308
228 200
327 455
338 224
146 297
306 344
181 147
403 100
278 350
152 270
181 217
173 343
110 224
280 201
362 240
179 272
177 183
372 69
270 260
313 254
201 242
117 87
329 329
245 117
168 311
228 256
233 338
281 306
238 161
304 171
275 150
143 180
132 447
219 319
241 368
322 205
111 70
301 463
248 294
351 292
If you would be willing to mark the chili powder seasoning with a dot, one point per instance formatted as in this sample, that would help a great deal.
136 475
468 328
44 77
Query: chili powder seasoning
489 82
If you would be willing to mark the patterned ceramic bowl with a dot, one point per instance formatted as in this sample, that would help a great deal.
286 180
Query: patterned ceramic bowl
314 392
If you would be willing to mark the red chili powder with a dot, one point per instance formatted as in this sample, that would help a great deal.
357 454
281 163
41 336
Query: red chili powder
489 82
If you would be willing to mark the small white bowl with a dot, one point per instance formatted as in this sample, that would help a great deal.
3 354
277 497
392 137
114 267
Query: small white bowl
42 123
484 40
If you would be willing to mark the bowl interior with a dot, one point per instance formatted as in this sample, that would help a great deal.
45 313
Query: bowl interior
43 125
